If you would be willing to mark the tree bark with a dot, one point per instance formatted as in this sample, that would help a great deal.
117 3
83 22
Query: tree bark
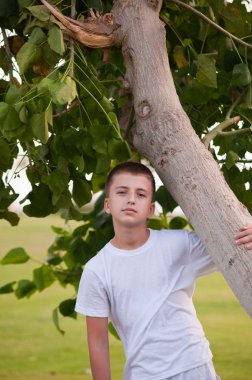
163 134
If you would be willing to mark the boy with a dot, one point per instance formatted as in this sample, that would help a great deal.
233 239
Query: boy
144 281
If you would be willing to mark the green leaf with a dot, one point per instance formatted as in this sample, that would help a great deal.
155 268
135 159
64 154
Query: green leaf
4 107
103 165
49 114
67 209
59 231
25 288
8 7
196 94
98 182
55 40
241 75
113 331
249 146
114 121
40 12
248 97
100 146
206 73
41 202
177 223
79 164
39 125
6 159
66 308
53 259
231 159
102 219
49 56
15 256
23 114
43 277
246 114
57 181
7 288
6 197
4 60
118 149
81 231
82 193
100 131
97 239
55 317
164 198
235 15
62 243
13 94
155 223
33 175
10 216
31 52
10 124
66 92
79 251
239 145
107 105
62 92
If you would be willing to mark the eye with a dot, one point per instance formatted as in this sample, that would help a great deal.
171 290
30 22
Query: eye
121 192
141 195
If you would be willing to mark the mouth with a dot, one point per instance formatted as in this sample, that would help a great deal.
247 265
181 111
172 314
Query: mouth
129 209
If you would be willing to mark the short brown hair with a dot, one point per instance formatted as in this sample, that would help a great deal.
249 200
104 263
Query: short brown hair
131 167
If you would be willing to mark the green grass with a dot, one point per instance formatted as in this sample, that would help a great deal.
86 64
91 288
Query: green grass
31 347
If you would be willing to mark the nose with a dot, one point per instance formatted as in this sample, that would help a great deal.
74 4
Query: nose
131 202
131 199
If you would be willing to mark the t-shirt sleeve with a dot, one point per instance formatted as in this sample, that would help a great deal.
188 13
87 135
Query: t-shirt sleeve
202 263
92 299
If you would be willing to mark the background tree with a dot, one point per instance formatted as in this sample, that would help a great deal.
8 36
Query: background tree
63 110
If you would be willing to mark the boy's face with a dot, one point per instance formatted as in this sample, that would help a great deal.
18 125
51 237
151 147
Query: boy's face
130 200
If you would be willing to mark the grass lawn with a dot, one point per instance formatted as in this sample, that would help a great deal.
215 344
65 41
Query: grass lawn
31 347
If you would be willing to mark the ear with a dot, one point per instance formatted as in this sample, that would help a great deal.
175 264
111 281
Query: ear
106 206
152 209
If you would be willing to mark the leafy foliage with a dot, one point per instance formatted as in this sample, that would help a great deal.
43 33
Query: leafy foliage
63 107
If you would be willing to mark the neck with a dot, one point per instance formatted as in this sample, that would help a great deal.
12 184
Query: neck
130 238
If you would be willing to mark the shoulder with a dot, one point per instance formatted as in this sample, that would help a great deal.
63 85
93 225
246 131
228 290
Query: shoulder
181 240
94 271
96 261
172 236
175 245
97 264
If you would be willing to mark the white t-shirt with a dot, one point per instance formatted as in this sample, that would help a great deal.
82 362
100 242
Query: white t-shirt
147 293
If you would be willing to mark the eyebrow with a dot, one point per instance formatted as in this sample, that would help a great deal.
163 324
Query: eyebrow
126 187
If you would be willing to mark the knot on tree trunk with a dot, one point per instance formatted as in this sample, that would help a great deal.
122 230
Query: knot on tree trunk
153 4
144 109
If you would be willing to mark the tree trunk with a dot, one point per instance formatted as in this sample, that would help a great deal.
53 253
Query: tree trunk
163 134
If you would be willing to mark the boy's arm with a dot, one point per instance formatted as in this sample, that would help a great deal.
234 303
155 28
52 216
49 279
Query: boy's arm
98 345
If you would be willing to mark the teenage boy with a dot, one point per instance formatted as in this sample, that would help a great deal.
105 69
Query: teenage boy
144 281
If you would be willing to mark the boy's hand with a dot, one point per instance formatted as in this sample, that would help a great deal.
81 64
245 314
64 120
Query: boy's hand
244 236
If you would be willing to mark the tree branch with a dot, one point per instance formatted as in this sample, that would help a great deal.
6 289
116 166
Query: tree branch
233 133
9 55
211 135
236 102
212 23
68 109
223 161
95 32
73 15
